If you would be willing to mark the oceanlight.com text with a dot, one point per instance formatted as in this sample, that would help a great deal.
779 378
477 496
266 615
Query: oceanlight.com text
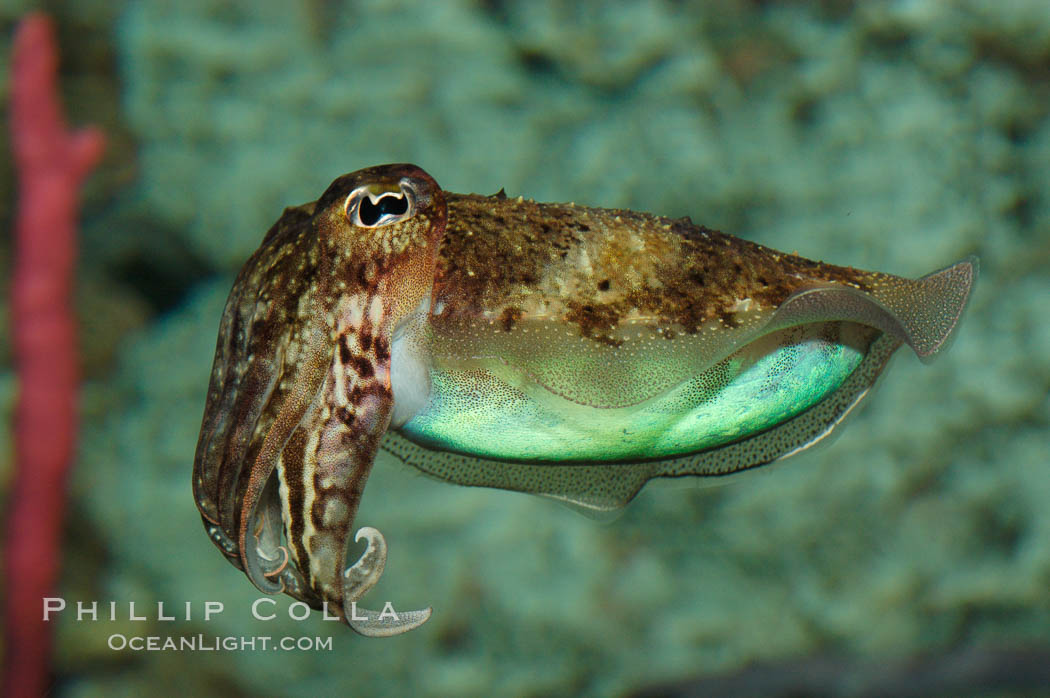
217 643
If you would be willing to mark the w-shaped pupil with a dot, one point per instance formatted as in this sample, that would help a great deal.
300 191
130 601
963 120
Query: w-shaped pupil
392 204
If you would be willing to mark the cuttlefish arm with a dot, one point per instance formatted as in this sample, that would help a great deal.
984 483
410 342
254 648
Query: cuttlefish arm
300 392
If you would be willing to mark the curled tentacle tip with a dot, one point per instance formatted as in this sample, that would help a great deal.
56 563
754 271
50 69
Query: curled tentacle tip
279 568
264 567
363 574
373 536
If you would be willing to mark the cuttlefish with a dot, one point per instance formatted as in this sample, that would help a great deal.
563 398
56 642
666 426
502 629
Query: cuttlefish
553 349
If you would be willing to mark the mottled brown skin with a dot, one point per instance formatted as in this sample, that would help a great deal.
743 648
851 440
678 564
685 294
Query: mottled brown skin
301 385
301 392
272 281
514 258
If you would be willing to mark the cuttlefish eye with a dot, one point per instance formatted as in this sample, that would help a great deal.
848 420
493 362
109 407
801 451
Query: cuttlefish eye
371 207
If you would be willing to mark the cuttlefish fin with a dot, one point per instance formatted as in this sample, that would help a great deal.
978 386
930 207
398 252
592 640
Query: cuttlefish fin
596 487
922 313
929 308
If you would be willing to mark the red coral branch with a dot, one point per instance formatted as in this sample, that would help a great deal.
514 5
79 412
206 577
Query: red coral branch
51 163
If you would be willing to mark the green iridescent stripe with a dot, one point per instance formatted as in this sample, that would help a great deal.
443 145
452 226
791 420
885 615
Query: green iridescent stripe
740 396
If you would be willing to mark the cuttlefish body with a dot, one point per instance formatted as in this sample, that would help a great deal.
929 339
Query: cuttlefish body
554 349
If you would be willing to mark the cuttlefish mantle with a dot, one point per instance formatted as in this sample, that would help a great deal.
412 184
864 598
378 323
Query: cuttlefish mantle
554 349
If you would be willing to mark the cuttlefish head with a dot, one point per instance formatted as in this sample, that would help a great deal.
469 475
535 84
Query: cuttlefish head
378 230
300 391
